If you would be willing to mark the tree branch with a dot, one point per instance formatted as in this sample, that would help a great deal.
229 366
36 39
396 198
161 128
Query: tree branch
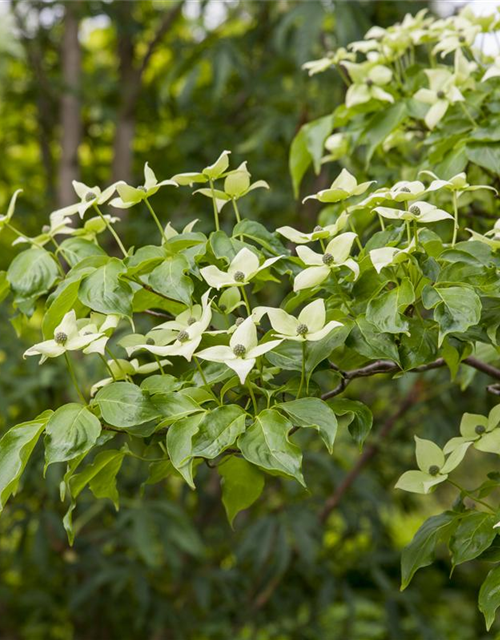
387 366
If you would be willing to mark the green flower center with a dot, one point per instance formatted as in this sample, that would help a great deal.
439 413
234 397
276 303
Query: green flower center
480 429
415 210
141 188
405 190
327 259
462 38
318 228
433 470
150 342
239 276
302 329
45 228
369 82
191 321
239 350
89 196
223 307
239 321
183 336
441 95
61 337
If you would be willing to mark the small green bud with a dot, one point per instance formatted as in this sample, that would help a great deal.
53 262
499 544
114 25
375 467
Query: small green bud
142 188
302 329
441 95
239 321
369 82
191 321
150 342
89 196
222 307
434 470
327 259
239 276
462 38
239 350
183 336
480 429
45 228
61 337
415 210
405 190
318 228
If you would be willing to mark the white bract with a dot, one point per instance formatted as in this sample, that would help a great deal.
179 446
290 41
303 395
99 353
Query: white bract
170 232
212 172
309 326
434 467
320 265
125 369
129 196
457 183
185 333
323 64
419 212
493 71
388 256
344 186
318 233
441 93
368 80
241 270
67 337
242 352
236 185
100 325
7 217
89 196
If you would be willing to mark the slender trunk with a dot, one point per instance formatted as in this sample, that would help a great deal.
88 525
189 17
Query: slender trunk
71 123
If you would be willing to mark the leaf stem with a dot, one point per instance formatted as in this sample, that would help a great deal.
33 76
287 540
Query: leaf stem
303 372
252 395
237 215
216 213
112 231
455 215
155 218
470 494
245 298
109 369
73 378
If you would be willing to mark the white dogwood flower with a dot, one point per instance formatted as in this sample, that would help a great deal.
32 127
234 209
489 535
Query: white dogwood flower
457 183
368 80
7 217
344 186
320 265
330 60
318 233
124 369
309 326
441 93
241 270
420 212
242 352
89 196
493 71
67 337
212 172
129 196
388 256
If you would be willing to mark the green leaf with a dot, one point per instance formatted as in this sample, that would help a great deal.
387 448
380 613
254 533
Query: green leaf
307 147
218 430
455 308
16 447
63 299
71 431
485 155
174 406
105 292
125 405
266 444
169 279
179 445
380 125
101 478
489 596
474 534
74 250
420 552
385 309
32 273
315 414
357 417
242 485
369 342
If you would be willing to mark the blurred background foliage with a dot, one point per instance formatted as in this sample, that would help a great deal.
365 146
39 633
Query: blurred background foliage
91 90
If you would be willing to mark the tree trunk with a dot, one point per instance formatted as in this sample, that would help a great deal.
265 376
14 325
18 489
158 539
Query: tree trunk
71 123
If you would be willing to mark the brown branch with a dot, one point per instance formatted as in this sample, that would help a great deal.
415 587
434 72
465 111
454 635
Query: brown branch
387 366
333 501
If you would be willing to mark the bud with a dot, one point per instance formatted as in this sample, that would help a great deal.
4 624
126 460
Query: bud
239 350
415 210
222 307
89 196
191 321
239 276
434 470
462 38
45 228
142 188
61 337
369 82
480 429
239 321
327 259
183 336
318 228
150 342
405 190
302 329
441 95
